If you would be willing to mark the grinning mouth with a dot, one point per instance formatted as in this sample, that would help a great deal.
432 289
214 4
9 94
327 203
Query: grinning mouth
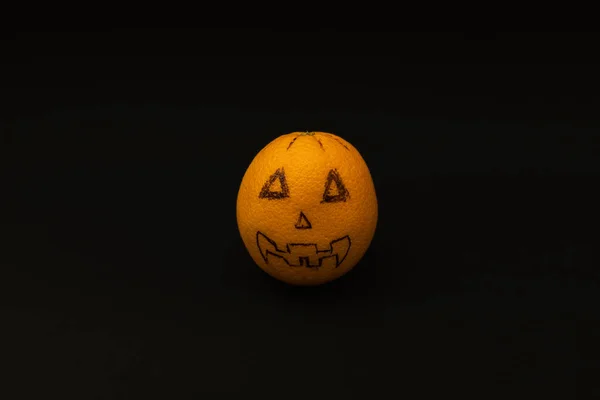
303 254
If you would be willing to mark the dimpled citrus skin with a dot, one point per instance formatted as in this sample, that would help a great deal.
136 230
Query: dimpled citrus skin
306 159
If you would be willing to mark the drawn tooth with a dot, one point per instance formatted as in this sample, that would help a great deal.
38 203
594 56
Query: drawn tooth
265 245
278 261
340 247
300 252
328 262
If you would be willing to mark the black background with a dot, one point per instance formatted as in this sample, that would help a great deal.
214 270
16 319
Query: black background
123 273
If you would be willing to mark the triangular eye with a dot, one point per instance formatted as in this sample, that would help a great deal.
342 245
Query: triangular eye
275 187
334 188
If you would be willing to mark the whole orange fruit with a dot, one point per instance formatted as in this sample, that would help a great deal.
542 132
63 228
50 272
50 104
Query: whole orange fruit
306 208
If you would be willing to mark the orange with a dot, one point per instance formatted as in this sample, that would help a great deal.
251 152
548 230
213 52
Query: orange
306 208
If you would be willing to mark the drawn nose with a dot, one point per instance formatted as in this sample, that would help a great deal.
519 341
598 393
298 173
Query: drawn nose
303 222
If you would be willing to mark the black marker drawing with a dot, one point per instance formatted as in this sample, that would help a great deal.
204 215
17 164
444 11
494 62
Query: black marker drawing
342 143
292 142
335 190
303 254
268 193
303 222
320 144
307 133
338 140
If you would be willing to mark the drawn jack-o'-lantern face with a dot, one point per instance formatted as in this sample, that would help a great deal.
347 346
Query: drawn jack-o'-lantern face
300 252
307 208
